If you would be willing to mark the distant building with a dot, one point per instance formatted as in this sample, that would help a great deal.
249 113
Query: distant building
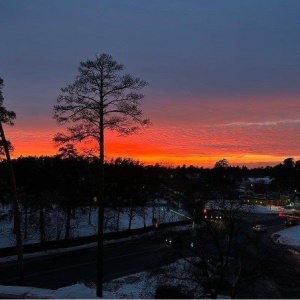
256 191
260 180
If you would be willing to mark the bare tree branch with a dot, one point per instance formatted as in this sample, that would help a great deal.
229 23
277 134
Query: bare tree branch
100 98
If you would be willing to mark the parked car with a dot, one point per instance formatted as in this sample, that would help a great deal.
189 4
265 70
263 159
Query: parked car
259 228
290 222
169 240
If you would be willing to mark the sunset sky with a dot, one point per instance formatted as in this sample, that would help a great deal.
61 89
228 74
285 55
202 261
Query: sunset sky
224 76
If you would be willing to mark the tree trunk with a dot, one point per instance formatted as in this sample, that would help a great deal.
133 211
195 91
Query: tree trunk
130 217
153 209
144 215
68 217
16 209
100 260
25 220
118 219
90 213
73 212
42 224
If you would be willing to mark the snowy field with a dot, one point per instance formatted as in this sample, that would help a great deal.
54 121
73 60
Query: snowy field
84 225
80 225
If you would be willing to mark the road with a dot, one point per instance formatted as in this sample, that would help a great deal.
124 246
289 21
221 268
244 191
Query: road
65 269
120 259
273 223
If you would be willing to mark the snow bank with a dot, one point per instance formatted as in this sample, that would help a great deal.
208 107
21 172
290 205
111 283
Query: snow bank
289 236
260 209
137 286
76 291
22 292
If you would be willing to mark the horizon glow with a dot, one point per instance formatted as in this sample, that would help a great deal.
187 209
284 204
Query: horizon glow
252 141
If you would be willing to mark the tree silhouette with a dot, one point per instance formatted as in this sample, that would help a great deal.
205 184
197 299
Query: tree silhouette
100 98
7 117
223 163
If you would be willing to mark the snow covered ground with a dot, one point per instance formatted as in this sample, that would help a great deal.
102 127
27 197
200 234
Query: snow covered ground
138 286
289 236
248 208
80 225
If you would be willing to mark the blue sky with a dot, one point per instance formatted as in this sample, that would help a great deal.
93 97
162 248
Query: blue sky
202 59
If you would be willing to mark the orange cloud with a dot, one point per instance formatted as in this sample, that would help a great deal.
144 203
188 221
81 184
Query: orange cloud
250 131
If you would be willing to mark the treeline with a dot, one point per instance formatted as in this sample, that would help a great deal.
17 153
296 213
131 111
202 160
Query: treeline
52 190
72 181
